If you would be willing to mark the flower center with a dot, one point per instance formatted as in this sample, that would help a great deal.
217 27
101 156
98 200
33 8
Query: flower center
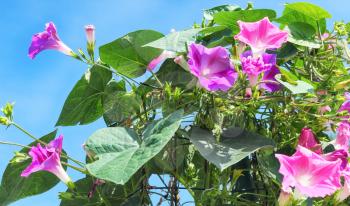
305 180
205 71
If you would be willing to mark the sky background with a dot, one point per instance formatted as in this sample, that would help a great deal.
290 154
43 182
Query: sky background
39 87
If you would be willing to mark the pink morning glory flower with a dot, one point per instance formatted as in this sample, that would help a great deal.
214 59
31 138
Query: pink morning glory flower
271 84
254 66
48 39
336 155
47 159
308 140
309 174
212 66
346 105
344 192
261 35
343 136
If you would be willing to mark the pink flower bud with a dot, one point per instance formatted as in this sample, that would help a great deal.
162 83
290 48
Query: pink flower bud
324 109
284 198
308 140
90 34
180 60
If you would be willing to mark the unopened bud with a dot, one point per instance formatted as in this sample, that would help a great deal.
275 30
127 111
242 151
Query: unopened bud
7 110
180 60
90 34
5 121
19 157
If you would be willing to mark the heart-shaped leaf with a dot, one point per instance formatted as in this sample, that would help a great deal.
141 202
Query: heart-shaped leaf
121 153
235 145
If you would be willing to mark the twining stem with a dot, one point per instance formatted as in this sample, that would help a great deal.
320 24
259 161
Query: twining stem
14 144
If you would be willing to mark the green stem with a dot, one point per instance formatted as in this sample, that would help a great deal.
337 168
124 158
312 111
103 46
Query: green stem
156 78
27 133
84 171
14 144
44 143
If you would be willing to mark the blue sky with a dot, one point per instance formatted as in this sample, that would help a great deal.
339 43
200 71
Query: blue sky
39 87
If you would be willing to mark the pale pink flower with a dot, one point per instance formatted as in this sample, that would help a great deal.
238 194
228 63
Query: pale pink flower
309 174
261 35
48 39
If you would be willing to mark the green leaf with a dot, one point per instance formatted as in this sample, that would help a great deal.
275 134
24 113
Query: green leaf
119 105
306 43
235 145
120 152
208 13
84 102
309 9
302 30
230 18
269 164
80 197
175 41
289 16
298 87
127 54
163 162
303 34
173 73
287 51
14 187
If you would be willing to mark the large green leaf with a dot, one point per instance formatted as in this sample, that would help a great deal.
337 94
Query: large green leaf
303 34
230 18
235 145
127 54
121 153
208 13
84 103
290 16
296 87
14 187
118 104
175 41
309 9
